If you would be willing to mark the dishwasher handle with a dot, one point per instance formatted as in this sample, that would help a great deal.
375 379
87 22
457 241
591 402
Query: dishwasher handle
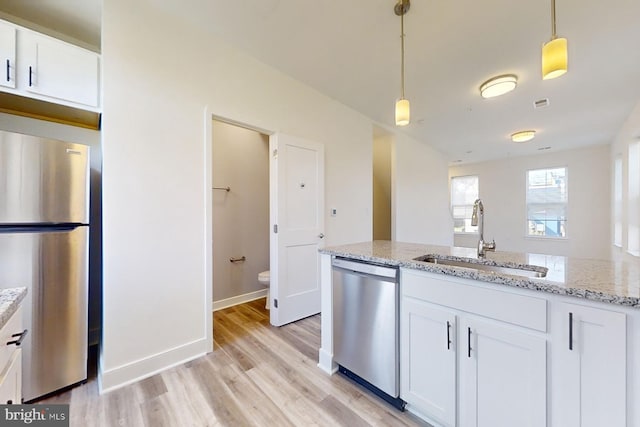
363 267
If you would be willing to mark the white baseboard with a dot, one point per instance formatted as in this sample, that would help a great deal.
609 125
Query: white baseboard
240 299
129 373
325 362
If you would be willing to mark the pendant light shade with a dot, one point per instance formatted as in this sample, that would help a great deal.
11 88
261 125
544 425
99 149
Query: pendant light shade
554 58
403 113
554 52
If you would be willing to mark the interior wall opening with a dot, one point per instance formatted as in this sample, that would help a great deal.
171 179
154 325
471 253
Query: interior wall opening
240 214
382 171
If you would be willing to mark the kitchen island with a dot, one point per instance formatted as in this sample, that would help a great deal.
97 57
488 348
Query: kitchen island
560 350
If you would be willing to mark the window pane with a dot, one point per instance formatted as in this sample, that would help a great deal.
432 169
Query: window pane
617 202
464 192
547 202
633 227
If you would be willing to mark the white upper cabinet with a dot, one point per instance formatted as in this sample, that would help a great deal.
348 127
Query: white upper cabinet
7 55
45 68
57 69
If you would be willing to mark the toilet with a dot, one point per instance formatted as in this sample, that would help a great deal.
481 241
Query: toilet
264 278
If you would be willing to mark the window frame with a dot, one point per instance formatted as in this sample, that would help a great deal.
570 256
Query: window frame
462 233
566 205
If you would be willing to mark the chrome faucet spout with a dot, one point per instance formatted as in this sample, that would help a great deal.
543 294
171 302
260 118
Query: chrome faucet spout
477 219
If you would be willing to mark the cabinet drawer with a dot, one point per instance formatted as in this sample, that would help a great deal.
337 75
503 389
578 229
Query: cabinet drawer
464 295
13 326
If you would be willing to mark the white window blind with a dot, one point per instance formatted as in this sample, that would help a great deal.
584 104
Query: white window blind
464 192
547 202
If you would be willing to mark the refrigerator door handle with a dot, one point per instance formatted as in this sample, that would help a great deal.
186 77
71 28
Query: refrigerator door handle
19 340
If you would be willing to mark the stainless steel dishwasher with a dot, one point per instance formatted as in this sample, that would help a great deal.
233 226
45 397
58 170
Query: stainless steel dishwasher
366 336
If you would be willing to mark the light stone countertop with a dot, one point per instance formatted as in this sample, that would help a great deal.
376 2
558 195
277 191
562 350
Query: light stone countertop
614 282
9 301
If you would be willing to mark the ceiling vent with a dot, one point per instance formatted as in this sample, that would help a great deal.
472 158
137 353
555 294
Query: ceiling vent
541 103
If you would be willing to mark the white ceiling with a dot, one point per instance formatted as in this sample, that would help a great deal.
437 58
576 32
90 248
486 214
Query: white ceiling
350 50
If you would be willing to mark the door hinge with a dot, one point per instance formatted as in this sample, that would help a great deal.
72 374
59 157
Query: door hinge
275 228
275 153
275 303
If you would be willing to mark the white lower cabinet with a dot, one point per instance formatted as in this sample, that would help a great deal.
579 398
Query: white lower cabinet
473 355
11 381
589 367
462 369
502 375
428 360
11 335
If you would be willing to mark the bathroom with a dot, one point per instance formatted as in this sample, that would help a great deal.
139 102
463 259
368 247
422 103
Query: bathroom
240 214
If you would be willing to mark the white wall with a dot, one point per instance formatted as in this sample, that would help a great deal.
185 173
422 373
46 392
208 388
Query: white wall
240 216
502 185
628 133
158 80
420 196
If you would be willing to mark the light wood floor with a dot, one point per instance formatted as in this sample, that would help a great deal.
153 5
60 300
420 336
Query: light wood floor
258 375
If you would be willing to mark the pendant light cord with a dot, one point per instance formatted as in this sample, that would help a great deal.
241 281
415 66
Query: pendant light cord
553 20
402 53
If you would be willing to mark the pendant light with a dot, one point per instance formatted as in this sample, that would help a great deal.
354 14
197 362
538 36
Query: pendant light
402 105
554 52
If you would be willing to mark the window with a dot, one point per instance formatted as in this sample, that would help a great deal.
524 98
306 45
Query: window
464 192
617 202
547 202
633 226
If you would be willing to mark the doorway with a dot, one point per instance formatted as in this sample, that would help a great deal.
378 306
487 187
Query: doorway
382 188
240 213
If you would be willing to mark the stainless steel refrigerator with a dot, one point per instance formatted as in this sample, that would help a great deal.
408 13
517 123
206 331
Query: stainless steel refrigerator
44 237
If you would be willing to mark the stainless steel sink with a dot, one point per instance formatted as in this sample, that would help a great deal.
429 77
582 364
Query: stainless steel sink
528 271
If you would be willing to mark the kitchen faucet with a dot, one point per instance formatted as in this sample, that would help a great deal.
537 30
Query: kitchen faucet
478 211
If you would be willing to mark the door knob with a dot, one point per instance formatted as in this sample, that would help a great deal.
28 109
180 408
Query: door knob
321 235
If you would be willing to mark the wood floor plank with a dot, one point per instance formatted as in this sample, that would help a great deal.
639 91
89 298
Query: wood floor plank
341 413
257 375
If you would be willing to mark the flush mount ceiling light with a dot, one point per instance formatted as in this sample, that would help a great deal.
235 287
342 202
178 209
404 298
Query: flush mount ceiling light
499 85
523 136
403 113
554 52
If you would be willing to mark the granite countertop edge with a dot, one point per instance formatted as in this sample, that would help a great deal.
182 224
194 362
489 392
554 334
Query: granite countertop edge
490 277
10 300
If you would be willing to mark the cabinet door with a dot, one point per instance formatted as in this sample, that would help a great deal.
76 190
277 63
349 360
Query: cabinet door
57 69
11 380
589 361
428 360
7 55
502 376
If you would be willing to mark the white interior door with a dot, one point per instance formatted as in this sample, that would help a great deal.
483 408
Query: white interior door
297 221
